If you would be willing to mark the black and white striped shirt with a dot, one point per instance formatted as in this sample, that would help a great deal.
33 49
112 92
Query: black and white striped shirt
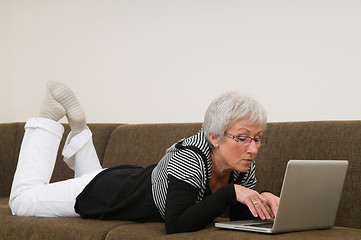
188 166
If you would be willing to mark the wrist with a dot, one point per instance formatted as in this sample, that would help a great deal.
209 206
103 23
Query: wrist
264 191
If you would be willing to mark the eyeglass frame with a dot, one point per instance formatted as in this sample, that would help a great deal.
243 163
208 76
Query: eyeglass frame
247 141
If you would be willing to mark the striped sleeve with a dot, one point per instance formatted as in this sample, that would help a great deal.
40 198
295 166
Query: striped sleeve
187 166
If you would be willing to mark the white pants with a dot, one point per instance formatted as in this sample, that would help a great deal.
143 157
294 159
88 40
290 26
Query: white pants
31 193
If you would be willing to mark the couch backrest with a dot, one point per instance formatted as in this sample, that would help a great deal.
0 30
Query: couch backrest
315 140
10 140
11 135
144 144
101 134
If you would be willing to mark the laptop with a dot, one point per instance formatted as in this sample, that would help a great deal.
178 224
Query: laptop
309 198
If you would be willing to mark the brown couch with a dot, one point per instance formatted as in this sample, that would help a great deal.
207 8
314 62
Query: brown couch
144 144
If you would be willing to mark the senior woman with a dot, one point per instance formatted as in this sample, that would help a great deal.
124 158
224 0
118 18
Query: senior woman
197 180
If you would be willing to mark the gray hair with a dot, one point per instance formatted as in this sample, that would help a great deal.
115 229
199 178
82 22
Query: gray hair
225 110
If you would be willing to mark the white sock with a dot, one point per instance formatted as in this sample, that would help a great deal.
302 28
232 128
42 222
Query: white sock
51 108
75 114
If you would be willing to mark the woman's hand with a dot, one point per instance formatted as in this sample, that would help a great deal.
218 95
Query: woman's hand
261 205
272 202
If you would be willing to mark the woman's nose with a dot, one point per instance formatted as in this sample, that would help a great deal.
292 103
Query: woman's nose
252 148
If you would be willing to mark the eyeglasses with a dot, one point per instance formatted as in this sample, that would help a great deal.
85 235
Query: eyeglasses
246 140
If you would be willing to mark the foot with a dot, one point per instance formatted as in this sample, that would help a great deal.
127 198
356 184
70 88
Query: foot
51 108
65 96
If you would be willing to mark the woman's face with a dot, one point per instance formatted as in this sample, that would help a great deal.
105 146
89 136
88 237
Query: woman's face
231 155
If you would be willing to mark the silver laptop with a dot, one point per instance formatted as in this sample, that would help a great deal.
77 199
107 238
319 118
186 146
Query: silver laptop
309 199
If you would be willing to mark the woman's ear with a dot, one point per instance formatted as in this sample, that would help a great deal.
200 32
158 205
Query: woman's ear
214 140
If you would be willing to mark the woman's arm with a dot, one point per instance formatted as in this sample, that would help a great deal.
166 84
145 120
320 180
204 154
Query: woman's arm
184 214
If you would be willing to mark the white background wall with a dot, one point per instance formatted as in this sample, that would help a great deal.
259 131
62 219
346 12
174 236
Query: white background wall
145 61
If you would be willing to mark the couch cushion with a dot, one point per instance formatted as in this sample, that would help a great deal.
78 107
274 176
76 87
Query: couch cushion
13 227
77 228
144 144
157 231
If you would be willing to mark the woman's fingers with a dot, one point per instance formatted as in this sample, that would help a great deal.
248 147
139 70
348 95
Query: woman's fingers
256 203
259 208
272 202
252 209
